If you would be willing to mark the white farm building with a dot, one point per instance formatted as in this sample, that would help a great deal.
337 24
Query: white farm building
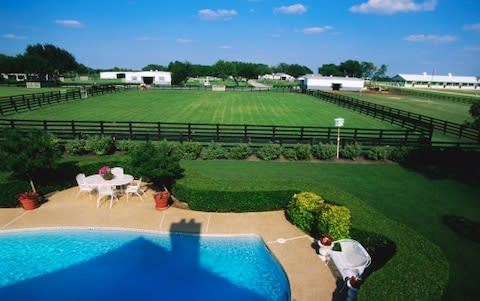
140 77
436 81
276 76
319 82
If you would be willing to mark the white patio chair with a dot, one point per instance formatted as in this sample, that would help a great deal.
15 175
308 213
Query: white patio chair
83 185
106 190
134 188
117 171
351 260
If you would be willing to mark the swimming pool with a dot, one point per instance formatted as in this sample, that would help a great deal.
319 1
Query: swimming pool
100 264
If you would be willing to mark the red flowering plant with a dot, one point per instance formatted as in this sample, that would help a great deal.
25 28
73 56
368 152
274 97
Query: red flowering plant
355 282
326 240
105 172
27 196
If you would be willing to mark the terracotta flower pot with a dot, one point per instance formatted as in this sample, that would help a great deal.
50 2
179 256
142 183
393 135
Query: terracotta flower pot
161 200
29 200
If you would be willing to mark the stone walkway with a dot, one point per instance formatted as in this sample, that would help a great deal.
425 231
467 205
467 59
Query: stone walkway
310 279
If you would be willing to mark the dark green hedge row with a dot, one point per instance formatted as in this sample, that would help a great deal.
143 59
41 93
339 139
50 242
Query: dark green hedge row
233 201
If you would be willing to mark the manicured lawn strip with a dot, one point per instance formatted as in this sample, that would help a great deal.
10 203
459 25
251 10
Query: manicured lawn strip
456 112
11 91
405 206
265 108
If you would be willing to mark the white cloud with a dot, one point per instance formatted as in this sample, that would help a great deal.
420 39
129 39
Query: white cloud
430 38
12 36
183 41
473 27
70 23
296 9
316 29
390 7
219 14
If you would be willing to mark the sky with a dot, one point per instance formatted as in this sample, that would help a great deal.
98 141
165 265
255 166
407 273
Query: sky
409 36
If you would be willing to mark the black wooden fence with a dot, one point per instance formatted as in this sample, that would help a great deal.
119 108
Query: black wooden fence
19 103
224 133
399 117
435 95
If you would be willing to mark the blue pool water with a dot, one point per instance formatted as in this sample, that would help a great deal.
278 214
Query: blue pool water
129 265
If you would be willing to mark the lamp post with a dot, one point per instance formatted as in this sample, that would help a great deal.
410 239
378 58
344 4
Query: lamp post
338 124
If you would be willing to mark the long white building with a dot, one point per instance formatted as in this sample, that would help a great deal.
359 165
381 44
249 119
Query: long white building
319 82
140 77
436 81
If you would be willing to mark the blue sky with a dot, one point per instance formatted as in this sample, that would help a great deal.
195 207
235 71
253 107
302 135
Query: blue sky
409 36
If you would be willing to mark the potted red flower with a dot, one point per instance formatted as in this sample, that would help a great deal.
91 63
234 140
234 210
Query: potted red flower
353 285
325 242
29 200
161 199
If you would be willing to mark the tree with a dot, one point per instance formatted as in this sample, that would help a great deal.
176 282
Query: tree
294 70
351 68
224 69
159 164
48 60
368 69
329 70
154 67
26 155
380 73
475 113
180 71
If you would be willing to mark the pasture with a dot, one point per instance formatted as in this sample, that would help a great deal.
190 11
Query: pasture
11 91
456 112
261 108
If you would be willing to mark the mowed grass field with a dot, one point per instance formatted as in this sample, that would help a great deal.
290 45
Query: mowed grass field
11 91
261 108
456 112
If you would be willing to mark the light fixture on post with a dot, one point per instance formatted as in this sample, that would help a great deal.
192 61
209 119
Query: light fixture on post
338 124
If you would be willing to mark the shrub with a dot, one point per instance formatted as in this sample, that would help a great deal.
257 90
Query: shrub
100 145
351 151
400 154
126 145
379 153
239 152
159 164
324 151
190 150
290 154
303 209
303 151
334 220
270 151
232 201
213 151
76 146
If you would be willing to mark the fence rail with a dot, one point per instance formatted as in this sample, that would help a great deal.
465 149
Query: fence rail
436 95
26 102
403 118
224 133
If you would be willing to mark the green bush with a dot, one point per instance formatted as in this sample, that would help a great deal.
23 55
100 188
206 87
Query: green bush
76 146
303 151
126 145
190 150
239 152
213 151
379 153
351 151
400 154
100 145
232 201
335 221
270 151
303 209
324 151
290 154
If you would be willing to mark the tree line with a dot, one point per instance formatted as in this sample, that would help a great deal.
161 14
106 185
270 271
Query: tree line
48 62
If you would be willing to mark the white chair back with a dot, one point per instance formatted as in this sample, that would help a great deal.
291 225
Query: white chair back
81 179
117 171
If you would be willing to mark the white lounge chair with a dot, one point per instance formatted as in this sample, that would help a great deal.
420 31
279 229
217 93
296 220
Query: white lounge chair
106 190
134 188
351 260
83 185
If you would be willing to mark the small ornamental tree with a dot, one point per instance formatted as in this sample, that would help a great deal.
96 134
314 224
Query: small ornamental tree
303 209
334 221
159 163
26 154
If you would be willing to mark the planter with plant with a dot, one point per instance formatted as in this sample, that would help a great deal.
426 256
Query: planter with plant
161 199
29 200
325 243
106 173
353 284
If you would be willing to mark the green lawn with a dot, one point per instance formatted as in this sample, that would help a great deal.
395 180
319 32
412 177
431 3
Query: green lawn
10 91
206 107
441 109
405 206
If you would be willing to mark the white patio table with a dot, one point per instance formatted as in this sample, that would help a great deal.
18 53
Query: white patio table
122 180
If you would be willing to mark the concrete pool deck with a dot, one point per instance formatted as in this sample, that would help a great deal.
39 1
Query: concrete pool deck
310 279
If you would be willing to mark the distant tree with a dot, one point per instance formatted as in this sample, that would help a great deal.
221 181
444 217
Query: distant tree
294 70
180 71
48 60
329 70
380 73
201 70
351 68
224 69
368 69
154 67
475 113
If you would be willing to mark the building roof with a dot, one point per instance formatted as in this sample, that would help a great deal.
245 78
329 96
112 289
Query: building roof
318 76
438 78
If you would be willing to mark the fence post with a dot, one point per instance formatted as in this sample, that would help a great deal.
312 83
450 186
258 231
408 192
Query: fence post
273 133
159 129
14 104
73 128
130 130
45 127
101 127
218 131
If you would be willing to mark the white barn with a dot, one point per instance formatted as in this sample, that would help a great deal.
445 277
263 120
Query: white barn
277 76
436 81
140 77
319 82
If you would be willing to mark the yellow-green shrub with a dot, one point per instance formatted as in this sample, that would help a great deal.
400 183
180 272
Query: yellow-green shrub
303 209
334 220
